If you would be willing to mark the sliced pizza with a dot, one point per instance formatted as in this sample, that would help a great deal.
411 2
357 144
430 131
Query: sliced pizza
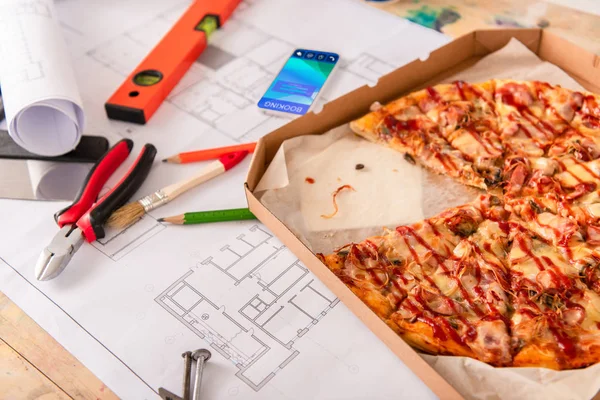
512 279
555 318
525 129
439 283
403 126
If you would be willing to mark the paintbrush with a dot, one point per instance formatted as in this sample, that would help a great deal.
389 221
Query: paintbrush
132 212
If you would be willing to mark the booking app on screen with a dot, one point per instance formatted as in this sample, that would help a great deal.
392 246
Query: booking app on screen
298 83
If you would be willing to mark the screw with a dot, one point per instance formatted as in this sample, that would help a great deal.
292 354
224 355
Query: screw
201 356
187 374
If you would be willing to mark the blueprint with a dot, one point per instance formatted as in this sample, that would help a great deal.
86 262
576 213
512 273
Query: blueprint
131 303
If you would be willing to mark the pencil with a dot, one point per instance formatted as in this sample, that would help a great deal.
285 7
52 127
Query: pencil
204 217
208 154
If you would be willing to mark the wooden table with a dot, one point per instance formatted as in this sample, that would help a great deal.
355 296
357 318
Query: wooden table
34 366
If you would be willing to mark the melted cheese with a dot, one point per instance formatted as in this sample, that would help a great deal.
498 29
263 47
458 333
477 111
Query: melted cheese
590 301
471 269
577 172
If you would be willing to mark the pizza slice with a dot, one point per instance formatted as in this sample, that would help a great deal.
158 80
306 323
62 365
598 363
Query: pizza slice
466 116
403 126
555 319
527 125
440 283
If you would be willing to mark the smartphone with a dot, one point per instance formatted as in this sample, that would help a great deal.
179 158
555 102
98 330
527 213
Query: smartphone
297 86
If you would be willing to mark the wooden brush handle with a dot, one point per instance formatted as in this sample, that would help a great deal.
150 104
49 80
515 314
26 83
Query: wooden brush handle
215 168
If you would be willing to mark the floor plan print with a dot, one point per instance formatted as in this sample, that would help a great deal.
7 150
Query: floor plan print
119 242
275 304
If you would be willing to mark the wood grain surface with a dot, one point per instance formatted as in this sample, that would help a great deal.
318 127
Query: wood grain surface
35 366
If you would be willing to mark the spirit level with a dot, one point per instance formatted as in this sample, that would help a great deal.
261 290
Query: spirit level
151 82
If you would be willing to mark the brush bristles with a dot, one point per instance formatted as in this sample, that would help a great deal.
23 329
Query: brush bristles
126 215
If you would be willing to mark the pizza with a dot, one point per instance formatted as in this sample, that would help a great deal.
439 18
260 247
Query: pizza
512 278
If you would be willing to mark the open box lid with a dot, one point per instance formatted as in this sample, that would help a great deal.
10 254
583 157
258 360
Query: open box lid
458 55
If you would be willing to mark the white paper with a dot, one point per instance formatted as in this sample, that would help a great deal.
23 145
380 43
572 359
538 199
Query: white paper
280 190
113 306
43 109
53 180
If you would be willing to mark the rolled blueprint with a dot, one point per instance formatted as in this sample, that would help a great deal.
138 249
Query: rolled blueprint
41 100
56 180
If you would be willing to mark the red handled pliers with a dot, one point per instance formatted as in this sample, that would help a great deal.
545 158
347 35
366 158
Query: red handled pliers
84 219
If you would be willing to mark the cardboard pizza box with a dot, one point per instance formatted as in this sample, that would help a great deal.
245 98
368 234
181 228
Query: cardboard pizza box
458 55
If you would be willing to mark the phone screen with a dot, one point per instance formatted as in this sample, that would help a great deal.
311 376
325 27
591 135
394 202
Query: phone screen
298 83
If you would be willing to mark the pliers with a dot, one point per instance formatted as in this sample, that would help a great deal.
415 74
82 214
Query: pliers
84 219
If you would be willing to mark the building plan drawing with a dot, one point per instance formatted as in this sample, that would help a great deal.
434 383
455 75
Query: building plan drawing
256 333
128 305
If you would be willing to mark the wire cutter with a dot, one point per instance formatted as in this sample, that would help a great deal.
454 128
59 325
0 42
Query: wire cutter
83 220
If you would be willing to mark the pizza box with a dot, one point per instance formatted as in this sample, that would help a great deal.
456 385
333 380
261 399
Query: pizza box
457 55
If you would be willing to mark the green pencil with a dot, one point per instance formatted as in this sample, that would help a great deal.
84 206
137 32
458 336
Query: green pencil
204 217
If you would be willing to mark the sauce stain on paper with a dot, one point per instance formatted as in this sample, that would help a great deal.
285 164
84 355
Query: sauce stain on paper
335 205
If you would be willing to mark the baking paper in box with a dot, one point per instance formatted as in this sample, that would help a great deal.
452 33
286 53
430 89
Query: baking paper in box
389 191
41 100
299 184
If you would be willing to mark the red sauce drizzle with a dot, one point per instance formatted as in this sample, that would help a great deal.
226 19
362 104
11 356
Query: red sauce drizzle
397 286
547 104
398 274
468 298
504 226
565 344
536 123
407 230
564 168
556 232
396 125
372 247
509 98
527 133
558 278
569 253
448 160
590 121
310 180
434 94
412 251
462 85
438 234
373 273
593 104
438 331
586 168
525 249
485 143
471 333
450 331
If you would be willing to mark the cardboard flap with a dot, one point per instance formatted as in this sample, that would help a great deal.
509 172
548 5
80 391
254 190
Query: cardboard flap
490 40
579 63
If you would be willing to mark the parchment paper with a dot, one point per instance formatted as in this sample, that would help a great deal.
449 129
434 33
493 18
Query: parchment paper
389 191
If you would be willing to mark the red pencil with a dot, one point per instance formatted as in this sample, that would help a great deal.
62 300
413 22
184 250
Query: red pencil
208 154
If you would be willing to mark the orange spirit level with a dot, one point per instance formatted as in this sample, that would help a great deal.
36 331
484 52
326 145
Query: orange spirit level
152 81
